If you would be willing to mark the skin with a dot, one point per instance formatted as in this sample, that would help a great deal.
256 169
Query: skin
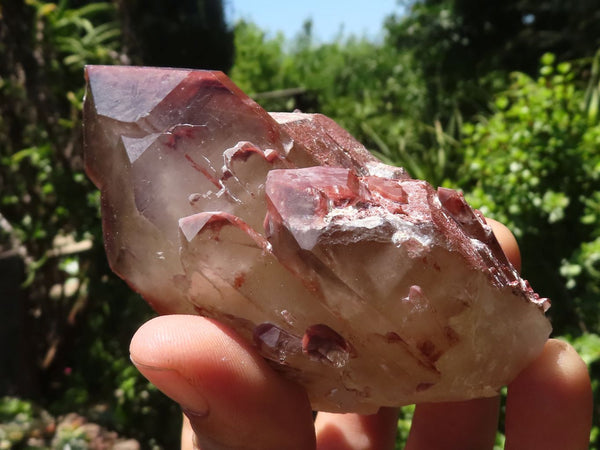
232 399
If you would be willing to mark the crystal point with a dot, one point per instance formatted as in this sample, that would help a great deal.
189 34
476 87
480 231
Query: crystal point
364 285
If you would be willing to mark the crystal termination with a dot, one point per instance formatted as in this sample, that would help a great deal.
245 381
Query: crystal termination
364 285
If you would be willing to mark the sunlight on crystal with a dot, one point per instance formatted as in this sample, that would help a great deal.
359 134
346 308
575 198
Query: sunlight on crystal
364 285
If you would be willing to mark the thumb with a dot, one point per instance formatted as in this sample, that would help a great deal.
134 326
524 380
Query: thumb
233 399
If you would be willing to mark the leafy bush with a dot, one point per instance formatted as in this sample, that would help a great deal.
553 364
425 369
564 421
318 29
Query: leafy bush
26 425
534 164
372 89
76 318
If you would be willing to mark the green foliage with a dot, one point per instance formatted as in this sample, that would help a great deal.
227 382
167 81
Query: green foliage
588 347
258 59
466 48
404 422
78 318
18 420
372 89
592 94
534 165
24 424
433 96
75 36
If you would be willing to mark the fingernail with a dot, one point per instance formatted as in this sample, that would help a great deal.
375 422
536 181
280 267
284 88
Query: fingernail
174 385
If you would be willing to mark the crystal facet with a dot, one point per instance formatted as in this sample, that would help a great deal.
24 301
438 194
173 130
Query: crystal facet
364 285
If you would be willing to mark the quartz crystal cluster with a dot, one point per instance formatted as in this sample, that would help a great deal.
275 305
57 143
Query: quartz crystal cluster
366 286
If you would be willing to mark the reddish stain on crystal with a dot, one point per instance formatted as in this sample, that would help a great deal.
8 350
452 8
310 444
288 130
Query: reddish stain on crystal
451 335
239 280
389 189
213 83
246 151
323 344
429 350
203 170
423 386
393 337
454 203
202 311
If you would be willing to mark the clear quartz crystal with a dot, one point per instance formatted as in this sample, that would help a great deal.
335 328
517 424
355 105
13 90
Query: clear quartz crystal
366 286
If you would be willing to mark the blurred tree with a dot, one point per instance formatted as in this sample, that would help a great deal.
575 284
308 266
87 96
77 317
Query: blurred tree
373 89
43 50
534 165
466 38
462 43
69 349
258 59
177 33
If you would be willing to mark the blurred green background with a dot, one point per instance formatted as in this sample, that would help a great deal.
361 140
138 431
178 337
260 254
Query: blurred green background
499 99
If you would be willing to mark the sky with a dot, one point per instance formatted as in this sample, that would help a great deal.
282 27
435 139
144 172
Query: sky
361 18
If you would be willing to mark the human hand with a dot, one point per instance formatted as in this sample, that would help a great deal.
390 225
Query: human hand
233 399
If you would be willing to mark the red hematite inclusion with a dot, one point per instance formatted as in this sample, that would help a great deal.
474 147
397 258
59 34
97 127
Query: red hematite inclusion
364 285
